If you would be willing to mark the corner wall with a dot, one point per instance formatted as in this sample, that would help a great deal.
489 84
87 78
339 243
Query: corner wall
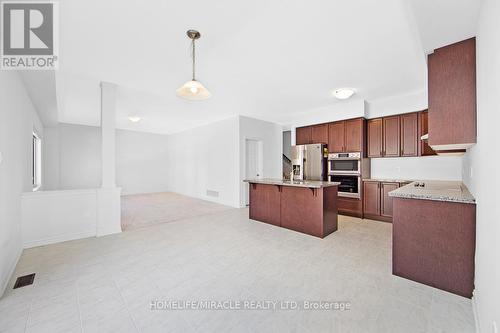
204 162
18 120
271 136
481 169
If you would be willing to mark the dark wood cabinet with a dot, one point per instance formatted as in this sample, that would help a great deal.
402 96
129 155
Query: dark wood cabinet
319 134
346 136
375 135
336 135
350 206
452 95
434 242
425 149
371 198
354 135
377 204
409 134
386 200
265 203
392 140
303 135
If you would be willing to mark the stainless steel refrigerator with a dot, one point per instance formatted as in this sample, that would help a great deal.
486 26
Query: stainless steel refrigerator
309 162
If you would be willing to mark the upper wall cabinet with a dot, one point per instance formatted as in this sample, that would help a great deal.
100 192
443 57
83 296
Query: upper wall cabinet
319 134
375 135
384 137
303 135
346 136
409 134
452 96
423 125
392 140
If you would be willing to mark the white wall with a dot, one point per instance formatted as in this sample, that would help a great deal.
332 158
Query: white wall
142 162
411 102
72 157
18 119
271 136
417 168
481 169
206 158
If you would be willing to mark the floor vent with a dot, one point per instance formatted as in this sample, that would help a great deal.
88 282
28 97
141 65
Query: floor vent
24 281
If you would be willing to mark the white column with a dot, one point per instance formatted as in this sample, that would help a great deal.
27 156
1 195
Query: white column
108 196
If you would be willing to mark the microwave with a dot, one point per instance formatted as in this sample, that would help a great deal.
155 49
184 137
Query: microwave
344 163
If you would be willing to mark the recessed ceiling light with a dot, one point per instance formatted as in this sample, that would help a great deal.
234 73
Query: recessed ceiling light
343 93
134 119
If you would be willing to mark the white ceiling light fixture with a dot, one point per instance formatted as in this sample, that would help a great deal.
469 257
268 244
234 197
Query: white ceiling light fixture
344 93
134 119
193 90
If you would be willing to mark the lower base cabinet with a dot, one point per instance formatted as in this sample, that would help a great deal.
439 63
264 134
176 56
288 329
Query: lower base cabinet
377 204
350 206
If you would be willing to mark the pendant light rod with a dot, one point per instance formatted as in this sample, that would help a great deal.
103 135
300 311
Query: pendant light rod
194 35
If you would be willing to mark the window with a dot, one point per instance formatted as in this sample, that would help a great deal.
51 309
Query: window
36 172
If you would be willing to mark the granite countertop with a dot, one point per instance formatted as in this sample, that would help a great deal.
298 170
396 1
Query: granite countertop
387 180
451 191
296 183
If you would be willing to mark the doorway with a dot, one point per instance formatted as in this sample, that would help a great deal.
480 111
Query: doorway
253 163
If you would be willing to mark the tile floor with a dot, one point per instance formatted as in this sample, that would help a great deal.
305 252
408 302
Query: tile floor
107 284
144 210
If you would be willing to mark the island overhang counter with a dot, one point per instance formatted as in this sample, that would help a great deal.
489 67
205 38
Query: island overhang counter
309 207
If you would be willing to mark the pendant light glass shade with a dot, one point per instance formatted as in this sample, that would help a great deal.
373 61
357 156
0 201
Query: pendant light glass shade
193 90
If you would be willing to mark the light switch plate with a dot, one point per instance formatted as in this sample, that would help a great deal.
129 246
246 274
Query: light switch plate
1 157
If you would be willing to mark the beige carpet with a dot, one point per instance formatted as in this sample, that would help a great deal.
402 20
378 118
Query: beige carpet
142 210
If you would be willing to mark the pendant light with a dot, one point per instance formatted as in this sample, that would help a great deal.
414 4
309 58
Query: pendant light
193 90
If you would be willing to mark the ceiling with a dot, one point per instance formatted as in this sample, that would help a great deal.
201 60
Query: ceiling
263 59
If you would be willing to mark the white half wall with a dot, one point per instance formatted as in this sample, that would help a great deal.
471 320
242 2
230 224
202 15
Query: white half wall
18 120
57 216
271 137
481 169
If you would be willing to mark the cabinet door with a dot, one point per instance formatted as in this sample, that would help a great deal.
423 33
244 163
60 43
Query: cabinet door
386 203
425 149
409 134
354 135
375 137
371 198
336 137
452 94
303 135
392 142
265 203
319 134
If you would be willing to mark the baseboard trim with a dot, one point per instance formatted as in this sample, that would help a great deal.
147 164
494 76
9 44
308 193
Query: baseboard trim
11 271
59 239
475 312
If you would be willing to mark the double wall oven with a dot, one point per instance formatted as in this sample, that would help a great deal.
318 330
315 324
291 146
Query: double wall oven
347 168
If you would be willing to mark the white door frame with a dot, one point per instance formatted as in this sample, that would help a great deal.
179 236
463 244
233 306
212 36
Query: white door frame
260 164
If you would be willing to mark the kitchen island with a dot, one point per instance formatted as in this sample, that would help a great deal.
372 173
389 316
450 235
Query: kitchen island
309 207
434 232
